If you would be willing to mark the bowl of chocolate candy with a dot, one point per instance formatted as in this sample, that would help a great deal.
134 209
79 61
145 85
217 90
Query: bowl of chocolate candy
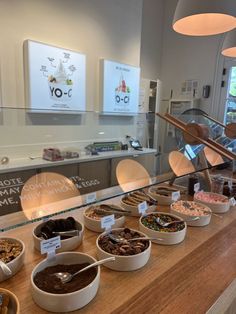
51 294
70 231
12 253
130 254
94 214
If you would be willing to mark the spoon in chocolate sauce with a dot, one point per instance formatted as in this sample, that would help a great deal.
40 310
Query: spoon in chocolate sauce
66 277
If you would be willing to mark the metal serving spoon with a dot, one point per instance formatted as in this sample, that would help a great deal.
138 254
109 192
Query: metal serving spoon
66 277
163 223
120 239
5 268
69 233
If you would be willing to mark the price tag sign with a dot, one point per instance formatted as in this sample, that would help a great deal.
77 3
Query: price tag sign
175 196
142 207
50 246
232 201
90 198
107 221
196 187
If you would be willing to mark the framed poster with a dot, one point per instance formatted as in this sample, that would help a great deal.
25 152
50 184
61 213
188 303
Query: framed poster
119 88
55 77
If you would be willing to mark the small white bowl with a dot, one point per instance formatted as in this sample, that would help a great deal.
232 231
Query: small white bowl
219 208
133 209
14 305
168 238
125 263
202 221
16 264
66 245
95 224
162 199
67 302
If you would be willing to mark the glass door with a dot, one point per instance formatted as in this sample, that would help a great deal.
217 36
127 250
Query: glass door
230 107
227 110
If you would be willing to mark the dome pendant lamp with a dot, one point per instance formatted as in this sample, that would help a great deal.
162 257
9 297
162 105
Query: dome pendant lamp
204 17
229 45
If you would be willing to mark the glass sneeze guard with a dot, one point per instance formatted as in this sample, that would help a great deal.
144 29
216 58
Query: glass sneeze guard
32 189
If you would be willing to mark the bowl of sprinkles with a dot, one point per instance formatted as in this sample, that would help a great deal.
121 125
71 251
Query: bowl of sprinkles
218 203
172 234
188 210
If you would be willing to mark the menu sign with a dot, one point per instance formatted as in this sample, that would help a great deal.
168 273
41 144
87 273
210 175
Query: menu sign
56 77
120 87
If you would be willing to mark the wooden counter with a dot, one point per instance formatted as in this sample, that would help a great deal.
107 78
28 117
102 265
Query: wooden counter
185 278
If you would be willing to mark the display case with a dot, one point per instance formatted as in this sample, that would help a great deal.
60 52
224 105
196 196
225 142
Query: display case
130 189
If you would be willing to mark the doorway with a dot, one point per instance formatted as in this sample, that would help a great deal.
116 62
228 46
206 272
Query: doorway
227 108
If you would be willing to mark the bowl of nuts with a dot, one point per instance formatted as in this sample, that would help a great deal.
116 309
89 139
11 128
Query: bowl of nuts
12 253
9 302
130 254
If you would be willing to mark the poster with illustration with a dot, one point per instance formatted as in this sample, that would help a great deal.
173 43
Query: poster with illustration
55 77
120 87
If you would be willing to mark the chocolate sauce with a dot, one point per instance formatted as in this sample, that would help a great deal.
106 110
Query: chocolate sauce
45 280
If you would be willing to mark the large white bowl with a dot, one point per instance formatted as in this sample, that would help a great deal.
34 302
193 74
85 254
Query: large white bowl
202 221
16 264
125 263
61 303
215 207
162 199
66 245
14 305
95 224
167 238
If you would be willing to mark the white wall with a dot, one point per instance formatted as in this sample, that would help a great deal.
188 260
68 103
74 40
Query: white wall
152 37
187 58
98 28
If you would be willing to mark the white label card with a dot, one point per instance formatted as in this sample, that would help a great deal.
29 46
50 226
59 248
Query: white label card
232 201
107 221
196 187
90 198
175 195
50 245
142 207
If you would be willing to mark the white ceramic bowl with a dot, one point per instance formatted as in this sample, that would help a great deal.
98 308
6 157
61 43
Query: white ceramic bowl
125 263
134 209
215 207
14 305
95 224
66 245
202 221
61 303
168 238
16 264
162 199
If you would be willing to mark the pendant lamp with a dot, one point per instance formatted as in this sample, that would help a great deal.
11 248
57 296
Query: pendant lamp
204 17
229 45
